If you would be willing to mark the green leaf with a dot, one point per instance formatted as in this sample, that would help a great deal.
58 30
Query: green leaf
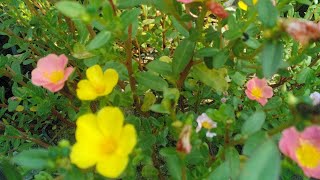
182 55
8 171
12 104
253 142
129 3
264 164
151 81
207 52
173 162
179 27
74 173
128 17
160 67
33 158
214 78
213 57
101 39
267 13
148 100
271 57
305 76
219 59
149 171
158 108
254 123
11 131
228 169
70 8
238 78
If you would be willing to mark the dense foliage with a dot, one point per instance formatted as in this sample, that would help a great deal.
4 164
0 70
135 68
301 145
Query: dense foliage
160 89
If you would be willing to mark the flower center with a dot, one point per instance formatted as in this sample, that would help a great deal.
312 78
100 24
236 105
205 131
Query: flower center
109 146
55 76
100 89
206 125
256 92
308 155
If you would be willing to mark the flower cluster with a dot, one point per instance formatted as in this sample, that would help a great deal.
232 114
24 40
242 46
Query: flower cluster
51 72
303 148
258 89
104 141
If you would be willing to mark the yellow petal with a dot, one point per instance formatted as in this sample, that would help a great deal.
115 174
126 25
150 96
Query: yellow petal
110 121
84 155
95 76
88 130
255 1
112 166
243 5
86 91
128 140
111 78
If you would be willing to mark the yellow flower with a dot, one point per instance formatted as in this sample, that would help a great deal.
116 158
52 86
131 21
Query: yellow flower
98 83
244 6
103 140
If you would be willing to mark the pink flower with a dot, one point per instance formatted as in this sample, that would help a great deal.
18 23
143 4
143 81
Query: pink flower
258 89
184 144
217 9
185 1
303 148
51 72
189 1
302 30
205 122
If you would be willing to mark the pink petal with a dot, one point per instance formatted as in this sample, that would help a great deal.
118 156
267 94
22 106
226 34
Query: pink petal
63 61
68 71
267 92
185 1
251 84
261 82
314 172
312 134
289 142
249 94
51 63
38 78
54 87
262 101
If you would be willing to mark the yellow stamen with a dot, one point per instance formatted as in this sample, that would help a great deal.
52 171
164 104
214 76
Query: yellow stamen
256 92
206 125
109 146
100 89
308 155
55 76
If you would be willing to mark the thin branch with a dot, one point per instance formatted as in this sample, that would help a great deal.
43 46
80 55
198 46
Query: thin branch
184 74
128 64
62 119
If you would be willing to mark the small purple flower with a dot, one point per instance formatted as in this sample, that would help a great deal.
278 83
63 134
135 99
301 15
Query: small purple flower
205 122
